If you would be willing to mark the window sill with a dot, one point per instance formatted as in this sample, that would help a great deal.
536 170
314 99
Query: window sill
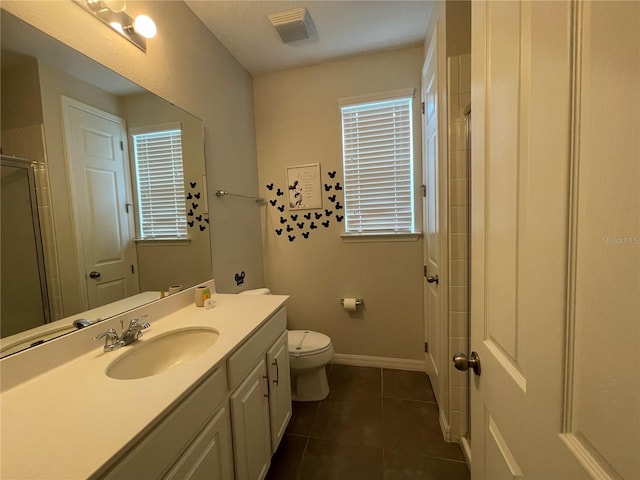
163 241
380 237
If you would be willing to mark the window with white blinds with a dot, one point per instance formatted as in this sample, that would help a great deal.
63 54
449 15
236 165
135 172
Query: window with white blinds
160 183
377 145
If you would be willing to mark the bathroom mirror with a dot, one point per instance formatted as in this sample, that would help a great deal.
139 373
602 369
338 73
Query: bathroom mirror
57 106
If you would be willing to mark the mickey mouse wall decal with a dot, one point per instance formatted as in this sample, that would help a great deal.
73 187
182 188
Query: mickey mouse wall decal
193 184
279 193
318 216
327 187
338 206
278 231
313 226
294 217
328 213
291 238
189 197
332 198
332 174
300 225
283 220
281 208
239 278
270 186
202 227
325 224
190 223
273 202
307 216
305 234
338 186
289 228
339 218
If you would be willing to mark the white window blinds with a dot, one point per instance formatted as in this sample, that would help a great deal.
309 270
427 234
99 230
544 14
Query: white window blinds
377 143
160 184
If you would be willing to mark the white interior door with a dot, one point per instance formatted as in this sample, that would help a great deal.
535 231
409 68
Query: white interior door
555 301
102 202
435 352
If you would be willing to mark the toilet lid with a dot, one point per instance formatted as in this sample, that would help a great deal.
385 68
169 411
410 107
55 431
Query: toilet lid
307 342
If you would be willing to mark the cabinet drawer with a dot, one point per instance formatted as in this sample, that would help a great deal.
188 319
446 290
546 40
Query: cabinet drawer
246 356
159 449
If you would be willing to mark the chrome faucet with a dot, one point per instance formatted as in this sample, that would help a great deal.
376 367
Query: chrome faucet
111 340
134 330
131 334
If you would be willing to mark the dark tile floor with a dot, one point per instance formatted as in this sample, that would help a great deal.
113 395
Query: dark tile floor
376 424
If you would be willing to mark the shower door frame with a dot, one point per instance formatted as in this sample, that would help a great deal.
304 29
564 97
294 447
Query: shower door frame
28 166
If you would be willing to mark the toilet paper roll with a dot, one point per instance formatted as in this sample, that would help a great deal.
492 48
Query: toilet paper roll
350 304
174 289
201 294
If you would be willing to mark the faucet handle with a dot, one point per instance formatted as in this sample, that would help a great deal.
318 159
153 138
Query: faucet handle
111 340
134 321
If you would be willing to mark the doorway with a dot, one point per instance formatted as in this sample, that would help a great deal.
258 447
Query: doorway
101 198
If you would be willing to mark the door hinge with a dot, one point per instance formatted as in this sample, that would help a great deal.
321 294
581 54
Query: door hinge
424 190
133 270
121 145
426 347
424 270
423 108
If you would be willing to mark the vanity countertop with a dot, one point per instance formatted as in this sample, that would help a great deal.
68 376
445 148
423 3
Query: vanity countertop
73 419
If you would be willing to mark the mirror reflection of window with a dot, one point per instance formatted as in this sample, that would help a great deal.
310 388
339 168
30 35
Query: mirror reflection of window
159 175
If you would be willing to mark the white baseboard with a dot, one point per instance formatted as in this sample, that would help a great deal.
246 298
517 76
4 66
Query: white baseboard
466 450
444 425
379 362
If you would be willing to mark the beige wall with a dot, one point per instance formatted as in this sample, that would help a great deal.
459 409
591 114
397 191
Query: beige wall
298 122
162 264
458 14
188 66
19 88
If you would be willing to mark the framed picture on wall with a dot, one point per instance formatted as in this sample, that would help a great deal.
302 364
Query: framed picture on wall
304 187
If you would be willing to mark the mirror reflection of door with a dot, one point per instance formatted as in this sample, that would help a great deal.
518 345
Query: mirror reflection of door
95 142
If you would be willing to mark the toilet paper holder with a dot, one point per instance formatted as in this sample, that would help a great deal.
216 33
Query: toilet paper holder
359 301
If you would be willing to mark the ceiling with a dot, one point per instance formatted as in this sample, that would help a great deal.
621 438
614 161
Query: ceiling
344 28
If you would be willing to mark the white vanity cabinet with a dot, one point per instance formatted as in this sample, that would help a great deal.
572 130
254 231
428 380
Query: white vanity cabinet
233 421
261 397
193 441
279 389
251 425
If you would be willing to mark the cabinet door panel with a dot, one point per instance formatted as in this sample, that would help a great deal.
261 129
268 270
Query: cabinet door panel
250 424
279 389
209 456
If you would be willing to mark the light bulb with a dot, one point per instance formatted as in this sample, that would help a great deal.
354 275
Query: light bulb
144 26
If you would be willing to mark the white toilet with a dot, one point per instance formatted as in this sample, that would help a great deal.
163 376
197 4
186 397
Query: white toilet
309 353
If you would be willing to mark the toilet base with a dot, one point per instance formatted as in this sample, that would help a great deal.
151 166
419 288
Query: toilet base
309 385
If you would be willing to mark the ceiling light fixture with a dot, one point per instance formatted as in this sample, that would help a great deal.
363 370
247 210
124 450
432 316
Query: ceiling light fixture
293 25
112 13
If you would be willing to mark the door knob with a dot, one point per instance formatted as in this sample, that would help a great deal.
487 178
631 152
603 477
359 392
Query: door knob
463 363
94 274
433 279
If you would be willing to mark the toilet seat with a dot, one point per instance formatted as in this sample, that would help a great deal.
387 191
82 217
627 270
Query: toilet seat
304 343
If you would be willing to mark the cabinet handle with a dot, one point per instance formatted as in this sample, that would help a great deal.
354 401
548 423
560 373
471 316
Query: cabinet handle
277 380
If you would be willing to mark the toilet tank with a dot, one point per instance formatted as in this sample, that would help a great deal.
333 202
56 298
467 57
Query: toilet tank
257 291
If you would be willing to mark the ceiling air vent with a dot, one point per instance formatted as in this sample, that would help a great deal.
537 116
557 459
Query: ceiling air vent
293 25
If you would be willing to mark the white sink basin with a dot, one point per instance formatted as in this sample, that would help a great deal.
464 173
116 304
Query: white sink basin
162 353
